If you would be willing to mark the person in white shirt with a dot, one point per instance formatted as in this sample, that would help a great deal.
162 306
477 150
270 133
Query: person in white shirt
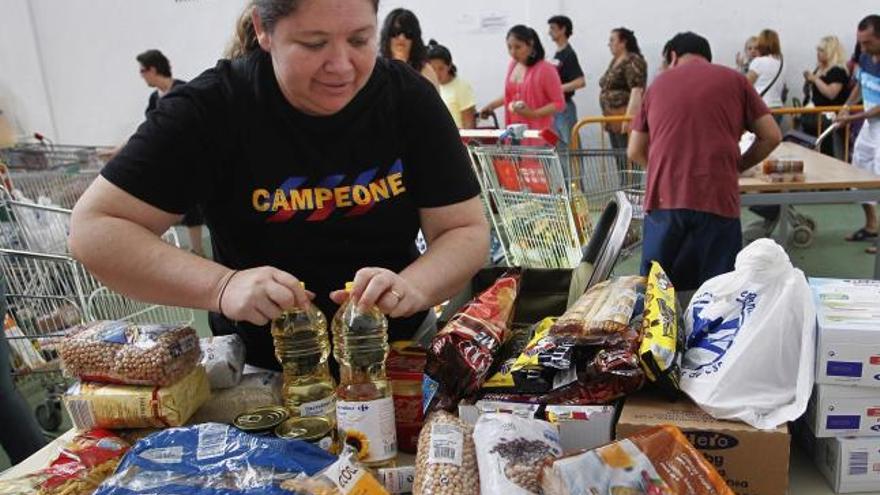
765 71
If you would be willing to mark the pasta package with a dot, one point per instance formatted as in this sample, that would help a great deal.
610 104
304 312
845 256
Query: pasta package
660 349
462 353
97 405
656 461
83 464
602 313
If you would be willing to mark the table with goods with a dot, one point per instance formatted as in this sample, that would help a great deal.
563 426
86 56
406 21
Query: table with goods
615 390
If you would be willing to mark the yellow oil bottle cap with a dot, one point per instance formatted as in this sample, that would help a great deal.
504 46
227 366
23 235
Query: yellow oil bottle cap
349 286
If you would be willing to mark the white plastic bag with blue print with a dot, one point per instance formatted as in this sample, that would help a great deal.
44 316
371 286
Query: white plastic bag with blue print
751 340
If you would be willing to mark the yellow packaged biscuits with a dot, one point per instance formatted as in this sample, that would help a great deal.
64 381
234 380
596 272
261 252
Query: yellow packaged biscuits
98 405
660 350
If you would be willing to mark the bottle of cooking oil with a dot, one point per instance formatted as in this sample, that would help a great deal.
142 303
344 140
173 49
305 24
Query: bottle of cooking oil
364 407
302 346
580 210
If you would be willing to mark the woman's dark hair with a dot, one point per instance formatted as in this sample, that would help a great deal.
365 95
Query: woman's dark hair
629 39
155 59
270 11
528 36
440 52
402 21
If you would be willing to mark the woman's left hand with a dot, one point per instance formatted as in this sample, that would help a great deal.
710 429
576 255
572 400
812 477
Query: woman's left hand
393 294
523 111
808 76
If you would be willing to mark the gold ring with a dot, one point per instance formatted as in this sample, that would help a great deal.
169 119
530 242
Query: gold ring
396 294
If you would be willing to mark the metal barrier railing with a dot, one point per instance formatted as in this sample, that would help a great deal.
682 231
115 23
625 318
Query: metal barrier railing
575 141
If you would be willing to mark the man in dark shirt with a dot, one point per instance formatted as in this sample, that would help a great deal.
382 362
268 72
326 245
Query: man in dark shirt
692 206
569 72
156 71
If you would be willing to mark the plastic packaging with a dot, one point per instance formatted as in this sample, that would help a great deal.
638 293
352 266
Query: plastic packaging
660 349
462 353
602 313
212 459
446 459
656 461
365 407
97 405
223 359
751 340
125 353
80 467
255 390
512 452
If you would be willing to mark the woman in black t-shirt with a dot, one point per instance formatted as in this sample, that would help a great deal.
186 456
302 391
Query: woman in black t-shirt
314 161
826 85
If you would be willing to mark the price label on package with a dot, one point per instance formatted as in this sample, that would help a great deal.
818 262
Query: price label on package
447 442
352 479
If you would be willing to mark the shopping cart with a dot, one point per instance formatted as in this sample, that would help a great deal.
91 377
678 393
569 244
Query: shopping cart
48 292
547 199
57 173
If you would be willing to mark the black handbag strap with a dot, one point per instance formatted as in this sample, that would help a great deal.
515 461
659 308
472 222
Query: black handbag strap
781 64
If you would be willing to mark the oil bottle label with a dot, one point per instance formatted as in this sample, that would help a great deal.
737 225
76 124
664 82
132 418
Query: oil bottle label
369 427
322 407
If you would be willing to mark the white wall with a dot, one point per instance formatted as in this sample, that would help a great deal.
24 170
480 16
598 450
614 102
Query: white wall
67 67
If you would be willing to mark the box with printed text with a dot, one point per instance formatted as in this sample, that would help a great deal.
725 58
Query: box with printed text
836 411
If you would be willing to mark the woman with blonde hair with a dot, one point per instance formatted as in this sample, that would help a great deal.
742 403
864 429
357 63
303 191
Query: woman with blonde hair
765 71
826 85
749 53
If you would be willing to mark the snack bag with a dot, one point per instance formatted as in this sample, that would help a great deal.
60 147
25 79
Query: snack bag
446 459
512 453
462 353
343 477
660 350
656 461
125 353
602 314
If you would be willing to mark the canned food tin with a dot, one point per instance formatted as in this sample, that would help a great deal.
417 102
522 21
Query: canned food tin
261 419
313 429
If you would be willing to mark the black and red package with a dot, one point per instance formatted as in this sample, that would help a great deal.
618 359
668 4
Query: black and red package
462 353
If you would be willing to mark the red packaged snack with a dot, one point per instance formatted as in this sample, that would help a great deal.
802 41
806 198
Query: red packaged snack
406 367
462 352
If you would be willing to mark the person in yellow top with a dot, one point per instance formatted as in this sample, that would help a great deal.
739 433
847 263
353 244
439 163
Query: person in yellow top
456 93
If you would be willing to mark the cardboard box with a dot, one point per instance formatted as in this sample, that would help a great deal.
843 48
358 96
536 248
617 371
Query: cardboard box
849 464
844 411
580 427
848 340
752 461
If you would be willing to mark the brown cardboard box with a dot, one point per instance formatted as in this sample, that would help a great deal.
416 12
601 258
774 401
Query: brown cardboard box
753 462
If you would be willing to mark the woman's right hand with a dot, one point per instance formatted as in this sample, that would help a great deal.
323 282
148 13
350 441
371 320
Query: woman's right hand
259 295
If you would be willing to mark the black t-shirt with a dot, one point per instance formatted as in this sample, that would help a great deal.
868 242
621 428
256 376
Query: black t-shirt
569 68
154 96
834 75
319 197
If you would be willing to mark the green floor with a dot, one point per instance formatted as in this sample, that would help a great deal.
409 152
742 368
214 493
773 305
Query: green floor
829 256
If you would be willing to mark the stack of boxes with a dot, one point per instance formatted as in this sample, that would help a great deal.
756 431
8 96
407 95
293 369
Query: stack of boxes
843 416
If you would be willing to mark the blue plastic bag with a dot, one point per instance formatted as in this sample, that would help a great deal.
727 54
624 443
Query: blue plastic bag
212 459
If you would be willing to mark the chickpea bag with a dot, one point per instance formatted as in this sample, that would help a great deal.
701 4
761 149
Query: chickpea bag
125 353
102 405
446 460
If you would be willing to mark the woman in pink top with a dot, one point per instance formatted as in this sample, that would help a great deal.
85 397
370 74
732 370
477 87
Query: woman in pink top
532 89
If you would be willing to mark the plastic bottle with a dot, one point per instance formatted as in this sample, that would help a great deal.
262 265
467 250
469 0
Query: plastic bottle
365 408
302 346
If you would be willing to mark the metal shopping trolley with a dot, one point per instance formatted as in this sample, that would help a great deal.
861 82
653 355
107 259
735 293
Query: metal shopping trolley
547 200
48 292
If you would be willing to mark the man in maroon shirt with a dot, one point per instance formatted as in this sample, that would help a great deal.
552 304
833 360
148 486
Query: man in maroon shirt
687 132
